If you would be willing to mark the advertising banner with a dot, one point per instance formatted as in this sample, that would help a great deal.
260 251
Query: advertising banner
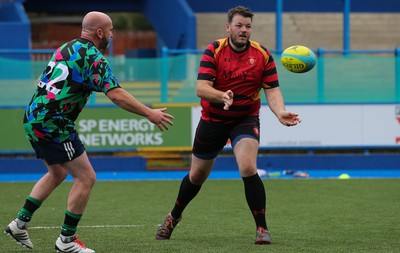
12 135
113 129
106 128
330 126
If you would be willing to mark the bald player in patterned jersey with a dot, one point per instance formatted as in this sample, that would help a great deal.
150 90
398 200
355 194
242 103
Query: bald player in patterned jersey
233 73
75 70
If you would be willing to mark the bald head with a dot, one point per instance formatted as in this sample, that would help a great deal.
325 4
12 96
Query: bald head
96 27
94 20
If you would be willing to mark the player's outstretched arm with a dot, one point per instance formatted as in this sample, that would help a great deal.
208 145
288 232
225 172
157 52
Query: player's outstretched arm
125 100
277 106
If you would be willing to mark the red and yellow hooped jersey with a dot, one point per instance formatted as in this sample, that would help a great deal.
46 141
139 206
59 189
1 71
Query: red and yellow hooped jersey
245 73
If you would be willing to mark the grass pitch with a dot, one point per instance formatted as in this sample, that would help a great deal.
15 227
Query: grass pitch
319 215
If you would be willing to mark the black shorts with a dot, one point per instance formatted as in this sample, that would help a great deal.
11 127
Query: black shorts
56 153
211 138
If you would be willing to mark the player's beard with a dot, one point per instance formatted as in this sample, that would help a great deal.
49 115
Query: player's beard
239 42
103 44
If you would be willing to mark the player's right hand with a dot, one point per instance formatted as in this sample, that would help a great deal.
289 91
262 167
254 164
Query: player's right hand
227 98
160 118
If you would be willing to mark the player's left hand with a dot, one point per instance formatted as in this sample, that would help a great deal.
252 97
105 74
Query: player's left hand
289 118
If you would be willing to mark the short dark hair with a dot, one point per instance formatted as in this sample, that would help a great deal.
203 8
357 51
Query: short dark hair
240 10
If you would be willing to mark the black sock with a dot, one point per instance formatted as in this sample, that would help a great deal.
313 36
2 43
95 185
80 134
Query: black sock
30 206
71 221
256 198
187 192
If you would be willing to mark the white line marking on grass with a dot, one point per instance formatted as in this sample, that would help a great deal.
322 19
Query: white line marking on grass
95 226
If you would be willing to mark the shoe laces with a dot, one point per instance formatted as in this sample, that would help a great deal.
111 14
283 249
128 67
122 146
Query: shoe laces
261 231
80 244
169 223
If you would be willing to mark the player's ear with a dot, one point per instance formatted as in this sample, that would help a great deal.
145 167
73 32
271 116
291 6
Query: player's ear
99 33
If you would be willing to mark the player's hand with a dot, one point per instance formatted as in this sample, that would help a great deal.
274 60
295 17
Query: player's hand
227 98
289 118
161 119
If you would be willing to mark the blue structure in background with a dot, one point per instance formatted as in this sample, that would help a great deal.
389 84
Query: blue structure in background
14 27
175 20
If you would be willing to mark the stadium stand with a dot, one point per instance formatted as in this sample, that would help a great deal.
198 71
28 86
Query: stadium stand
316 30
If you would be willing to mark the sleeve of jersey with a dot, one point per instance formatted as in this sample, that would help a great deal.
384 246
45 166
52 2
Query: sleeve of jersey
270 75
207 68
102 77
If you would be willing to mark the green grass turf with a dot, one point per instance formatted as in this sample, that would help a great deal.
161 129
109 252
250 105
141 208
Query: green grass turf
321 215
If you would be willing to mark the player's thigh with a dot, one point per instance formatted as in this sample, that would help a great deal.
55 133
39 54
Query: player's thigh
81 168
245 138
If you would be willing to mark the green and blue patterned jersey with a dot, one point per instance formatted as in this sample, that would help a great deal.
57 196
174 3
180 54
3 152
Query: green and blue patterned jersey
75 70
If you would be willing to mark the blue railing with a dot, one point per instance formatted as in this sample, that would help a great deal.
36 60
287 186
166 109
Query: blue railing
165 52
320 53
324 76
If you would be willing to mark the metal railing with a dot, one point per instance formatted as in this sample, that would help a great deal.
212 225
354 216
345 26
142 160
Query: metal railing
320 53
322 70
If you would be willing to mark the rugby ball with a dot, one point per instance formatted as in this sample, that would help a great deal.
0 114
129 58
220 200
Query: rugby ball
298 59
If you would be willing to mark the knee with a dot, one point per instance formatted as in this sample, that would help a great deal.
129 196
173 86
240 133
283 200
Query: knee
86 180
58 175
90 180
247 170
197 178
93 180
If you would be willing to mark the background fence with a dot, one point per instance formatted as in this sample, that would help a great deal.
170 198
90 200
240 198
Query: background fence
340 76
